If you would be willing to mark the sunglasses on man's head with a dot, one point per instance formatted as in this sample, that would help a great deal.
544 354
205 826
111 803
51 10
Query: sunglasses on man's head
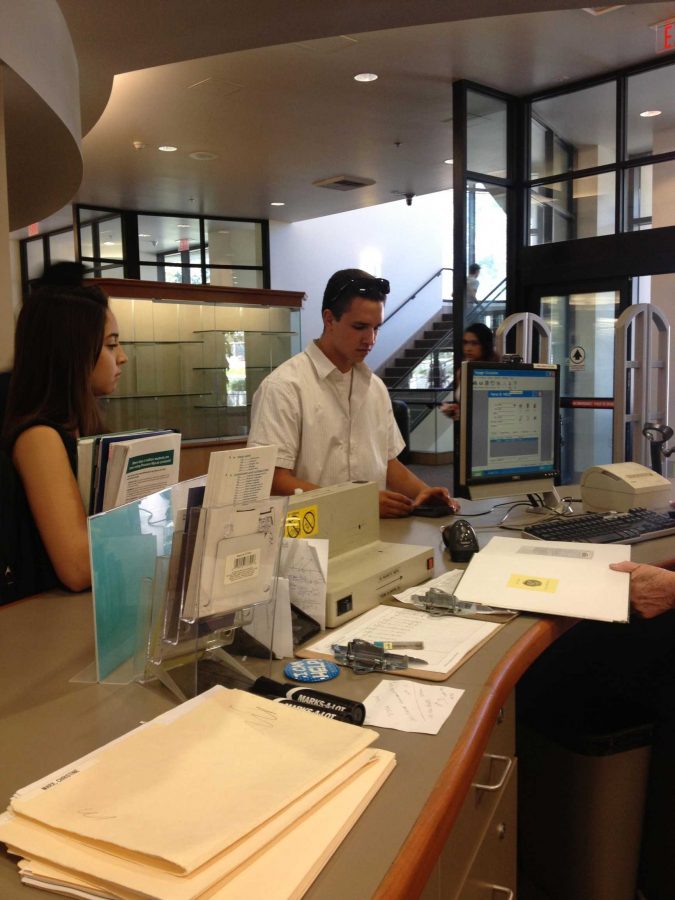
362 287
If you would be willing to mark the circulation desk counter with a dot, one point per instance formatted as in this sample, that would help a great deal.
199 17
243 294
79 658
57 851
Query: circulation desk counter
430 831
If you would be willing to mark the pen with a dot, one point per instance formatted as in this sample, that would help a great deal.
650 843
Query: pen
400 645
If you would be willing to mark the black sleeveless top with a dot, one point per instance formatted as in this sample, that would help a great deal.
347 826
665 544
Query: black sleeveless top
25 567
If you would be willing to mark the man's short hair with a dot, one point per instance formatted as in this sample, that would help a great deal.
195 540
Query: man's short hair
346 284
474 269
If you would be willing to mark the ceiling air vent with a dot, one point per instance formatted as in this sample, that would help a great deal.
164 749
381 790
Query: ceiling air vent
343 182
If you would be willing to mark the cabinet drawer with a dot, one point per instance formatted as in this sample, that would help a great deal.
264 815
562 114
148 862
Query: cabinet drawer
460 852
503 736
494 871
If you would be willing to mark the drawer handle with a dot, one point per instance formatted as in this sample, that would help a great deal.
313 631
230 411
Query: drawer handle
507 892
508 763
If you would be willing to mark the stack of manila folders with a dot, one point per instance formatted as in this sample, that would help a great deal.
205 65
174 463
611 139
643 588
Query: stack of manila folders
227 796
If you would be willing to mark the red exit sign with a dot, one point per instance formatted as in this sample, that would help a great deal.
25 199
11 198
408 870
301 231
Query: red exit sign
665 36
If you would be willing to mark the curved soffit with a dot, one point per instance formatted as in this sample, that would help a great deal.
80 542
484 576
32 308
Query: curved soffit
44 161
42 109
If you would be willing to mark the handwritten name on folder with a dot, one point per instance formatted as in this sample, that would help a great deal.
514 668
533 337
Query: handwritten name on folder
180 804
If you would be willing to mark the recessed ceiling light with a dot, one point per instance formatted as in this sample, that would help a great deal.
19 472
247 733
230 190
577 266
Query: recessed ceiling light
448 162
203 155
108 243
180 225
167 148
650 113
366 76
141 235
277 203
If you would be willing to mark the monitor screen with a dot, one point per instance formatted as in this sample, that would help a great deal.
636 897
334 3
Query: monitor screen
509 429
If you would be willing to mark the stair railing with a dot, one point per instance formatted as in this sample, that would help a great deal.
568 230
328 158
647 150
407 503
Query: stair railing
418 291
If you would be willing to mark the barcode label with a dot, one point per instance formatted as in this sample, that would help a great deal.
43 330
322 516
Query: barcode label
242 566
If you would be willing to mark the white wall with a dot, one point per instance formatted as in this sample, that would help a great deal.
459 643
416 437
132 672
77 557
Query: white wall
405 244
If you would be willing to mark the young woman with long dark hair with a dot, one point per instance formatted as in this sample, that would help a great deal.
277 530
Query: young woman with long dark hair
67 355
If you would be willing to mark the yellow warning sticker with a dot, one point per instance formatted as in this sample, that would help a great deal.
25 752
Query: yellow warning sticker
302 523
533 583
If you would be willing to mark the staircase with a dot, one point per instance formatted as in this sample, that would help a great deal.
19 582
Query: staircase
438 335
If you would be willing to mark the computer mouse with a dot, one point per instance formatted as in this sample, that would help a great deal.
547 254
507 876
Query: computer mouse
461 540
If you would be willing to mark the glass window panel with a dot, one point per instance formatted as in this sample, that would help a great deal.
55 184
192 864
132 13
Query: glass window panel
164 234
62 247
104 227
650 92
234 243
586 441
578 208
35 257
110 238
107 271
246 278
650 193
486 239
87 241
486 134
579 131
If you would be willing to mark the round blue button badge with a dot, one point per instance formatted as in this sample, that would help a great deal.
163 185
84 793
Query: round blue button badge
311 670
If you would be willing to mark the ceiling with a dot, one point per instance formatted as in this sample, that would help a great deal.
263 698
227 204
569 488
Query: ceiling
268 89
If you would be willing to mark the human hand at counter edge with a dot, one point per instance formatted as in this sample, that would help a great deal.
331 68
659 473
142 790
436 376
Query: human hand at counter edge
652 589
436 496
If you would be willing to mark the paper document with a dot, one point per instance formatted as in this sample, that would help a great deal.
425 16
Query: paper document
561 578
179 790
265 865
240 477
305 564
447 640
410 706
447 582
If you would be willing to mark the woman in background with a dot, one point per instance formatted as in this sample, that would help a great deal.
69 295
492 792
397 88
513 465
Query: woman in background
67 355
478 345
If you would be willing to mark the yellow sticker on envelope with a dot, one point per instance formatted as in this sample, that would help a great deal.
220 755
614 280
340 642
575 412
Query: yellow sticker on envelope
302 523
533 583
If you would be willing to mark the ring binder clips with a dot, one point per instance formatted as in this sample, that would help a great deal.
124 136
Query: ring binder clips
363 657
439 603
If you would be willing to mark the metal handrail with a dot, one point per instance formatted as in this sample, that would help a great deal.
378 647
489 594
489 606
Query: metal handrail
481 308
412 296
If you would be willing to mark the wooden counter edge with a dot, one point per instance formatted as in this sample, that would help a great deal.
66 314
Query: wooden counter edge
414 863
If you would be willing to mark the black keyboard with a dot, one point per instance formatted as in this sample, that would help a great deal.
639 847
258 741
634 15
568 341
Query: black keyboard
604 528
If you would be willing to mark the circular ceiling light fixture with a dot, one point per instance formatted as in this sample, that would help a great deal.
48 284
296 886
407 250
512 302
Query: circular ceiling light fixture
448 162
203 155
650 113
366 76
167 148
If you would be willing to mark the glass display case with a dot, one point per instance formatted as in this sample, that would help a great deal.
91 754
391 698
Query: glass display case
197 354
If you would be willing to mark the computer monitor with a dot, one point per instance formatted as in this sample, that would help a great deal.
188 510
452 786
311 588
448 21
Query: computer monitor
509 430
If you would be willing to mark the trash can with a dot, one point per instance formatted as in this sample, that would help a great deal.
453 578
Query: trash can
582 790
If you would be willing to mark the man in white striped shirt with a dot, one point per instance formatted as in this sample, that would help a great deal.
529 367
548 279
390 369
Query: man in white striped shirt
330 415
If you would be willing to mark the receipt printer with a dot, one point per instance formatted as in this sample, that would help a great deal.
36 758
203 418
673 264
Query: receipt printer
620 486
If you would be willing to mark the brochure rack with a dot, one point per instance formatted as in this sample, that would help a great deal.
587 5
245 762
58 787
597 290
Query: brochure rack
173 582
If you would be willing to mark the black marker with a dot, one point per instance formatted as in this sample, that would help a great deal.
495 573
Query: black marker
337 707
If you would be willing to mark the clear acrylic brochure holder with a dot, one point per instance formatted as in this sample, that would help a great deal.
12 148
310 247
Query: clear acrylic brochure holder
159 570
